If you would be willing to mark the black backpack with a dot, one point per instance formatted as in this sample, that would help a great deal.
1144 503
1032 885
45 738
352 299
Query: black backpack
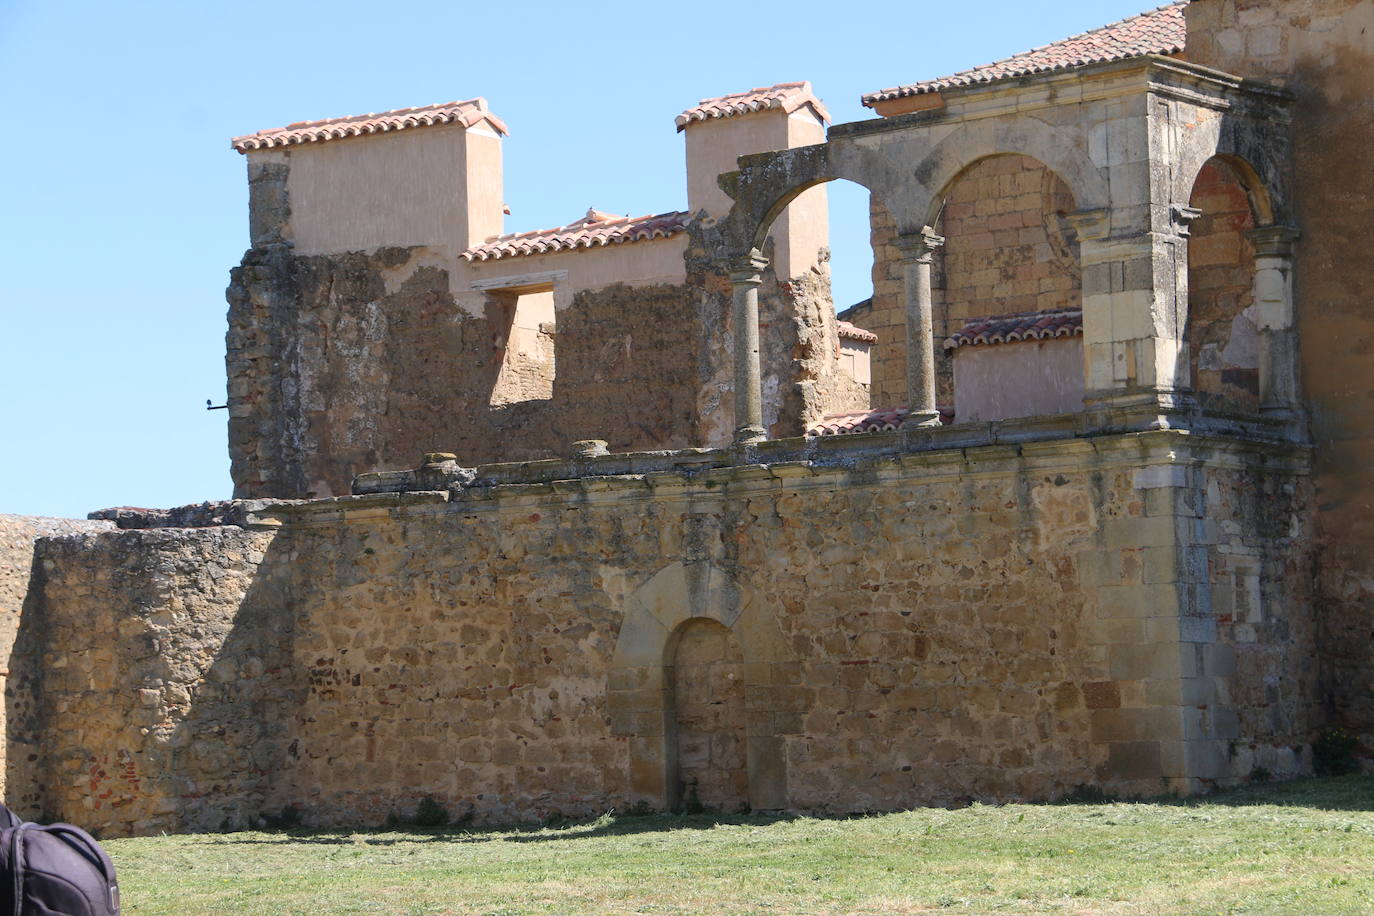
57 870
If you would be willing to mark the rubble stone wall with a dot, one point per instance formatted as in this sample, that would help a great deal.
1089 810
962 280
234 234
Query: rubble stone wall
983 623
1321 50
17 577
339 365
344 364
160 663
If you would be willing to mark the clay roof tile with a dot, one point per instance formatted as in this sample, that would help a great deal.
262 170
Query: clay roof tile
785 96
880 419
1158 31
596 229
999 329
850 331
467 113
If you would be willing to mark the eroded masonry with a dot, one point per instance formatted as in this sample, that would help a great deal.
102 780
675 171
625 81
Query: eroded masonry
623 513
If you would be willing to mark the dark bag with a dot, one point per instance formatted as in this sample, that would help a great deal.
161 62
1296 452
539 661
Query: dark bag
58 870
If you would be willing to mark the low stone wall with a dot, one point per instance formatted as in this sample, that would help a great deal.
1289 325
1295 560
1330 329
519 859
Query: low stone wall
162 658
17 576
891 628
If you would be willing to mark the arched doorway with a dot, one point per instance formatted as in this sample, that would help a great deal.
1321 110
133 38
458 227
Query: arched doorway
705 676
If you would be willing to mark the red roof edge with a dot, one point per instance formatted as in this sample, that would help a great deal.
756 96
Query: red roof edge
466 113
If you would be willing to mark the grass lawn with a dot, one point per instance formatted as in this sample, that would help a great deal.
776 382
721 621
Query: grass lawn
1296 848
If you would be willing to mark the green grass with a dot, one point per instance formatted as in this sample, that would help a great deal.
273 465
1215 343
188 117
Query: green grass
1296 848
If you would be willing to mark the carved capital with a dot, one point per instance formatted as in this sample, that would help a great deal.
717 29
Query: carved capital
1273 241
748 271
920 246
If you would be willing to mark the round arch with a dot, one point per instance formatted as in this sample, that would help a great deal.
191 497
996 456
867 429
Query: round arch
639 697
1256 189
971 143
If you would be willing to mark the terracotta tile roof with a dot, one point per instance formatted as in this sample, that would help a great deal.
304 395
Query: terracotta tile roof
868 421
594 230
1159 31
1011 328
786 96
854 332
466 113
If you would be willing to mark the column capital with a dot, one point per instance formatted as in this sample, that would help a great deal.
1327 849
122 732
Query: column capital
918 246
748 269
1273 241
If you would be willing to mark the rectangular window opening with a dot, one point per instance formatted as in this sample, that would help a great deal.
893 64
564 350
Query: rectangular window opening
526 351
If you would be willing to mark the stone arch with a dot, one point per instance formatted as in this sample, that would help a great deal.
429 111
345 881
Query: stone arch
768 182
639 692
1061 151
1221 336
1256 158
1001 254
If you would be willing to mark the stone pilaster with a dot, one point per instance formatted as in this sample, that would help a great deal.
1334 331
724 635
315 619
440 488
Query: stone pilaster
1135 305
1161 710
1274 316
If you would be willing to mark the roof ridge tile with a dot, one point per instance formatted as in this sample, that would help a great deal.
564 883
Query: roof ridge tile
466 112
785 96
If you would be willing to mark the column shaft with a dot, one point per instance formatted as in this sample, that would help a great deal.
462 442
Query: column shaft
917 254
744 281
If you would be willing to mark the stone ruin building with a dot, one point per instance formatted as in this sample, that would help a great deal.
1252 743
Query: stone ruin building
621 514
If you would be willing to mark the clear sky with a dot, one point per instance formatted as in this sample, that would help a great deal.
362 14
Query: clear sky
124 206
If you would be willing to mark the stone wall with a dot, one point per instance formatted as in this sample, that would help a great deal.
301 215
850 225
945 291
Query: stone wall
1320 49
905 627
340 365
345 364
17 578
162 660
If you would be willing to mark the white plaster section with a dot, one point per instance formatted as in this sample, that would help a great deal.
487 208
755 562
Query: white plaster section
855 360
1025 379
437 187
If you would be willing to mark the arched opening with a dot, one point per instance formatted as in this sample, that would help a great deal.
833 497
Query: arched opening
852 283
1223 340
816 349
706 690
1006 295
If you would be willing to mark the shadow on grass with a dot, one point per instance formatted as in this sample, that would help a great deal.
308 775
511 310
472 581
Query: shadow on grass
1342 793
1333 793
610 824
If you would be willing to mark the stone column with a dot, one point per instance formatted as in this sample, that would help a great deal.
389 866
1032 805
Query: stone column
917 252
1274 316
745 278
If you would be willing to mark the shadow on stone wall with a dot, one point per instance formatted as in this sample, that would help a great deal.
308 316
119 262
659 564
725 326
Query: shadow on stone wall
24 769
153 681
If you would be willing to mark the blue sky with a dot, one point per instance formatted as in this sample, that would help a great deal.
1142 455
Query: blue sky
125 207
